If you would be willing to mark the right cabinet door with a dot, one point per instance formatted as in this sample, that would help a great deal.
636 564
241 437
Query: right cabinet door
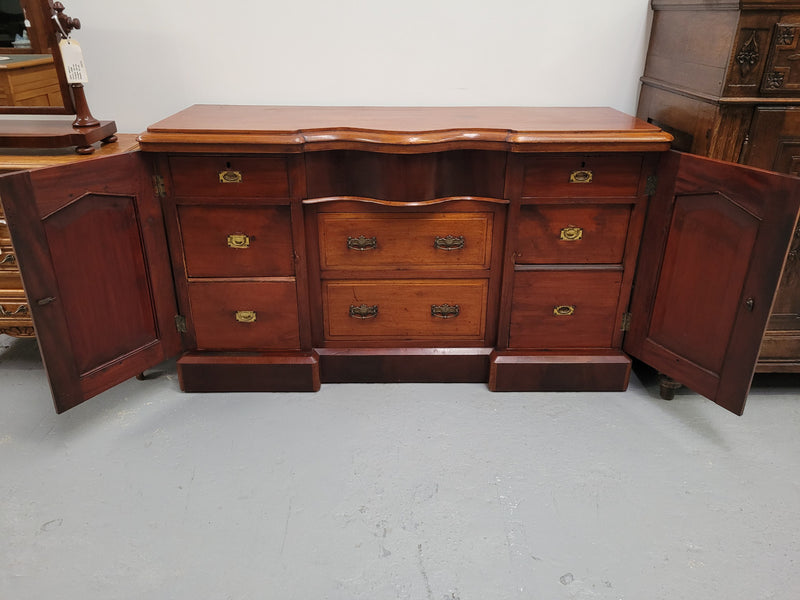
714 243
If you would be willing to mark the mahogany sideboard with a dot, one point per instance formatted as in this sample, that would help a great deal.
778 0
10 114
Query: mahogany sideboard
278 248
15 318
723 77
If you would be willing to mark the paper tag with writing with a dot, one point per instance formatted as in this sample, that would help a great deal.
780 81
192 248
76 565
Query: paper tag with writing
72 55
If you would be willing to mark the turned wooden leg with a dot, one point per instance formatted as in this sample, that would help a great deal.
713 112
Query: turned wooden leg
141 376
109 140
84 149
668 387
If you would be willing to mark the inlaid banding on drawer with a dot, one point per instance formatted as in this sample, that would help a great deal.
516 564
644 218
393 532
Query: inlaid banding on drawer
225 241
229 176
418 240
245 315
581 176
405 309
564 309
582 234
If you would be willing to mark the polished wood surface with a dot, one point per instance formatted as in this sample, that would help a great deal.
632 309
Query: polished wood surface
29 80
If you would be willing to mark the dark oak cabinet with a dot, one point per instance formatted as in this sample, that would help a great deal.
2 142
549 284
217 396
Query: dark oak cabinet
278 248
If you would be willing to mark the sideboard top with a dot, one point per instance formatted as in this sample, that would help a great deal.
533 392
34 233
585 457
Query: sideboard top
208 127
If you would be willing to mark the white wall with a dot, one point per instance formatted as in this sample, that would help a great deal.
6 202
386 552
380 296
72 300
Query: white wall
149 58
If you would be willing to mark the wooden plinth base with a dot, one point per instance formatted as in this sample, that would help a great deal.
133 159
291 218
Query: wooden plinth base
209 372
598 371
54 134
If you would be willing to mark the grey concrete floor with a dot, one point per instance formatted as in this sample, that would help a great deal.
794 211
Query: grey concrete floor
444 492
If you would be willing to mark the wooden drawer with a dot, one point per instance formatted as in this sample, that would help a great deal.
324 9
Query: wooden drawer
403 309
405 241
223 241
585 233
581 176
245 315
229 176
564 309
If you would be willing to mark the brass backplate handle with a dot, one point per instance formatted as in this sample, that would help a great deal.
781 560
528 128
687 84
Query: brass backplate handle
362 243
9 258
246 316
239 240
581 176
364 311
230 177
571 233
445 311
449 242
564 311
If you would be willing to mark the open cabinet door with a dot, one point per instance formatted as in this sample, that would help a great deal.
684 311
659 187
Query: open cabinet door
714 245
90 242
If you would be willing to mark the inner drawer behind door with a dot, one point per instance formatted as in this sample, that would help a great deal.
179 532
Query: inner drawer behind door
228 176
231 241
245 315
396 241
404 309
553 309
581 176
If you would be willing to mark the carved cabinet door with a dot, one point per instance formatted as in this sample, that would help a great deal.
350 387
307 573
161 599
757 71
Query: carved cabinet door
90 242
715 240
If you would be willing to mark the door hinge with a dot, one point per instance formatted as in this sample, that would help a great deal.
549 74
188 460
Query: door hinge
626 322
180 323
652 184
158 186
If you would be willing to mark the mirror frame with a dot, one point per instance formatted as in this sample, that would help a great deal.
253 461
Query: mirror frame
44 40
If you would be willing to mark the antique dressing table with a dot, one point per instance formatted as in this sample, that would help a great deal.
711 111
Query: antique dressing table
278 248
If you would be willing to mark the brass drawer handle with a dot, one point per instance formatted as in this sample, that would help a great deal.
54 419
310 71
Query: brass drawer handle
581 176
362 243
571 233
21 310
564 311
445 311
10 259
449 242
364 311
230 177
246 316
239 240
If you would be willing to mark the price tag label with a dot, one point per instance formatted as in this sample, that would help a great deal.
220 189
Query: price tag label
72 55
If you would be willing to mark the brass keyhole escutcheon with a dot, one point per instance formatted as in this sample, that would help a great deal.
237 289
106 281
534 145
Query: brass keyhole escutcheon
571 233
564 310
581 176
239 240
246 316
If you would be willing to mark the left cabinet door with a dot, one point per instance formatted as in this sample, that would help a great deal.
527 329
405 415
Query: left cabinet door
90 242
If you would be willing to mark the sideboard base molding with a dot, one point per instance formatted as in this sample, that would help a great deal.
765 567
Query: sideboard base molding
595 371
212 372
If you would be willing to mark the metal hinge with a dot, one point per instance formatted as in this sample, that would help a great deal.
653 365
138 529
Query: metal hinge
652 184
158 186
626 322
180 323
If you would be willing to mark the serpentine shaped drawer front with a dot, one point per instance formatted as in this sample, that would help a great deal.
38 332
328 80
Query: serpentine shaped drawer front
581 176
229 176
405 310
395 241
582 233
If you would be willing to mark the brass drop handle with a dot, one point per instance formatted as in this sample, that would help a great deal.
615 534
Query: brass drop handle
564 311
239 240
449 242
246 316
445 311
581 176
21 310
9 258
230 177
362 243
571 233
364 311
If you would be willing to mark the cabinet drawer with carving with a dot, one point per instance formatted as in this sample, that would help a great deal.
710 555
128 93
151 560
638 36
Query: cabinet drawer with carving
405 241
405 310
223 241
581 176
564 309
584 233
229 176
260 315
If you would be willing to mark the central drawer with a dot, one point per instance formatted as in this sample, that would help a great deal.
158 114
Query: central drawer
418 309
427 241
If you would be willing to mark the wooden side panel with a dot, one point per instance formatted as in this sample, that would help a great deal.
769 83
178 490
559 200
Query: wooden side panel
91 246
710 262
